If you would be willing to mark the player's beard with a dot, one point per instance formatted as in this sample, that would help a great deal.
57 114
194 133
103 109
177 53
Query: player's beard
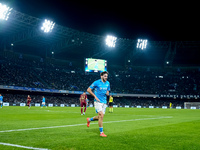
104 79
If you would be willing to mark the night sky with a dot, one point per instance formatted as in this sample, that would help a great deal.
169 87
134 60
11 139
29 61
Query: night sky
156 21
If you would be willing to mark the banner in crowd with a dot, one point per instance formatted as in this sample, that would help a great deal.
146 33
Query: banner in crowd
50 105
126 106
5 104
62 105
113 94
22 104
37 104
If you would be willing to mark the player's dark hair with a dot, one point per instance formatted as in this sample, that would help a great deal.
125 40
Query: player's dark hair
104 72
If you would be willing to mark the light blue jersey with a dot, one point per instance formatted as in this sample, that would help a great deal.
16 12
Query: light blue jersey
1 99
43 100
100 90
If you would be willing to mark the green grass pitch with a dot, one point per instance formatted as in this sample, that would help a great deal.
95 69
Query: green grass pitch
127 128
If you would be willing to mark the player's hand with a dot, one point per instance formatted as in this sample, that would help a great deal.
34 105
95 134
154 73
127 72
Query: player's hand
97 99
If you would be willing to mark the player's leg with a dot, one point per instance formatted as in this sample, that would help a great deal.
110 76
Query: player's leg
95 118
85 105
100 122
81 108
111 106
1 104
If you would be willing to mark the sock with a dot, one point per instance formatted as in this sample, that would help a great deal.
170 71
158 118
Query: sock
1 105
81 110
91 119
101 129
111 109
85 109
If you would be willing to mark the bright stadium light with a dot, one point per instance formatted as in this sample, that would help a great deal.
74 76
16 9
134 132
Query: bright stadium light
47 26
110 41
142 44
4 12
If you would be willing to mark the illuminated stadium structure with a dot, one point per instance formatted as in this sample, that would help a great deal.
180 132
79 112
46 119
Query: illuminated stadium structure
155 85
4 12
22 30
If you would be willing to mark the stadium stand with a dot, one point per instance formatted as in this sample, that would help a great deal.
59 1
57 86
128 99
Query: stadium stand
31 73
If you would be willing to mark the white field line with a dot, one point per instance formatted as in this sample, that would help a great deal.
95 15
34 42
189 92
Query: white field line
26 147
73 125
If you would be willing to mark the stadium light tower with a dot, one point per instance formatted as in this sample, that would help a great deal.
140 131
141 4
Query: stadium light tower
5 11
48 26
142 44
110 41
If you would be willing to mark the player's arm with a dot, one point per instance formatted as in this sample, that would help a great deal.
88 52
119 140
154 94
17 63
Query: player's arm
89 90
107 93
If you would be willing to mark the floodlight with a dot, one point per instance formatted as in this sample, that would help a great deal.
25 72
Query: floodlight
142 44
4 12
47 26
110 41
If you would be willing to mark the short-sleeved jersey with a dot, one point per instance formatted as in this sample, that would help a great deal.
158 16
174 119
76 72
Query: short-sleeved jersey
83 97
110 99
100 89
28 99
43 100
1 98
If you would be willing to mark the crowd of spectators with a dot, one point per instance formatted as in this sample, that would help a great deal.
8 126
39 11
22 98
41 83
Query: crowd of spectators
134 80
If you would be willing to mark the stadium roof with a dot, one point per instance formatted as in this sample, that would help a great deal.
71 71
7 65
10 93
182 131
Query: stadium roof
24 30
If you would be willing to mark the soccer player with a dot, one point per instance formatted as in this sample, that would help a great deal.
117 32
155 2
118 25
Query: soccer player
1 100
110 104
29 101
102 88
83 99
170 105
43 101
